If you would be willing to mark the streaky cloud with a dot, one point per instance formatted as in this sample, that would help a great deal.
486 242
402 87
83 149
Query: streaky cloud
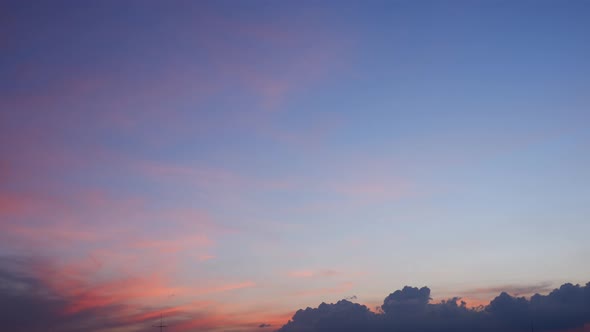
37 295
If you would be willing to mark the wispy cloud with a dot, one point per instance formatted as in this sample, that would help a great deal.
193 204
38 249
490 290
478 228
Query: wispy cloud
312 273
339 289
515 290
72 297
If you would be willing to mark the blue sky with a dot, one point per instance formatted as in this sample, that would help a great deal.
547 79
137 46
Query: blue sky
267 156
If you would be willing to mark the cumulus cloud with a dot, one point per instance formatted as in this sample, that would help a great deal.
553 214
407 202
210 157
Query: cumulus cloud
410 310
407 300
342 316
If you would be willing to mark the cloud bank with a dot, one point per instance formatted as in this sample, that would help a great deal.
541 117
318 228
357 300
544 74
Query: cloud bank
411 310
30 302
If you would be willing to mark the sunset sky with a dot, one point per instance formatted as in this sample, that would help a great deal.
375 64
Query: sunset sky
227 163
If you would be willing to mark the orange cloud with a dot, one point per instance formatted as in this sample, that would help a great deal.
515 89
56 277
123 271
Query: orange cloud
244 321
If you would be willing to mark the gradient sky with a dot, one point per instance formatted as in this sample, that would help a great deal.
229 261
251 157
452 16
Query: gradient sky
243 159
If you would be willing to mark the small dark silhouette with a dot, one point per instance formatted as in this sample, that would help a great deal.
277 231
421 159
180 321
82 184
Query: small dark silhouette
161 326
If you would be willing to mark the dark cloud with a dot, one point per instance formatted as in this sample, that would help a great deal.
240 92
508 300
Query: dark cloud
342 316
263 325
410 310
409 300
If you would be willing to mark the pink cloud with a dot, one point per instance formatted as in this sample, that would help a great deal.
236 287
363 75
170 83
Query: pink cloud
586 328
174 245
127 99
203 176
311 273
358 188
301 274
55 234
341 288
225 288
205 257
11 205
104 227
83 284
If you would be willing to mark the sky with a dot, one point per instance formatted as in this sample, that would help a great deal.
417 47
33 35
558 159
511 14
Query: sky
226 163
